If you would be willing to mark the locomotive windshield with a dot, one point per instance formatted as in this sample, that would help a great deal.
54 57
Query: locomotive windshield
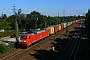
23 37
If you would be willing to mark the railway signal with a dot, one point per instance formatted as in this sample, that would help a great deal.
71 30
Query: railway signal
66 22
66 28
16 24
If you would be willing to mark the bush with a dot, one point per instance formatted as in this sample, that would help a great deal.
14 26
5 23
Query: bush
4 48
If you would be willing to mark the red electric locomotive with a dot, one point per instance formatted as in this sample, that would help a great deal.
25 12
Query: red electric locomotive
29 38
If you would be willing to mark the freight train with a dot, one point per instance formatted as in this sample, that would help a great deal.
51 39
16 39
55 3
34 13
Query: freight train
33 36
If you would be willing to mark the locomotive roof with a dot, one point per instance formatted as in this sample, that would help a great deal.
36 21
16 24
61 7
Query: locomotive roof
36 31
39 31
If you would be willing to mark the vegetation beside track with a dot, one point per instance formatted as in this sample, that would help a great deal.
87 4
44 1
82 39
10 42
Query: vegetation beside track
4 48
6 33
87 22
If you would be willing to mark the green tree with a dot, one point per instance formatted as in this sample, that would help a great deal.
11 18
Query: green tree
0 18
4 16
34 20
11 20
5 25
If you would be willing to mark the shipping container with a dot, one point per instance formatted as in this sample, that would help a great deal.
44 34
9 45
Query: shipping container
73 22
77 20
59 27
56 28
62 26
69 23
51 30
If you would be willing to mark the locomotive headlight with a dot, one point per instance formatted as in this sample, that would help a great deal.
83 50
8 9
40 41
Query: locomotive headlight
24 40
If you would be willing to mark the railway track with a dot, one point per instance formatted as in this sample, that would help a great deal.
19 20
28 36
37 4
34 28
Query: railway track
83 55
24 52
76 48
68 49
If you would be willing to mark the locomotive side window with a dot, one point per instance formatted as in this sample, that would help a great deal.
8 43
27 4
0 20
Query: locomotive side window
29 37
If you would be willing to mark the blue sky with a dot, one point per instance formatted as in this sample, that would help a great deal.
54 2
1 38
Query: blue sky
46 7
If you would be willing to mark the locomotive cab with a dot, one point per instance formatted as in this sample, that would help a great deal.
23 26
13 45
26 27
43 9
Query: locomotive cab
24 39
